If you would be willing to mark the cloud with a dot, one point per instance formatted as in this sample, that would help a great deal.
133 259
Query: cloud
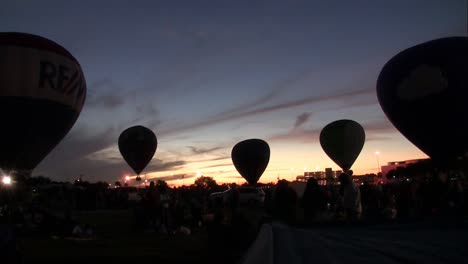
109 169
92 170
217 165
213 159
301 135
173 177
275 91
94 153
377 138
233 177
71 158
158 165
247 111
79 143
147 109
199 151
301 120
90 151
382 126
146 114
375 130
106 94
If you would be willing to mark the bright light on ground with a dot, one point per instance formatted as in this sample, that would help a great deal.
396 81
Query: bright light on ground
6 180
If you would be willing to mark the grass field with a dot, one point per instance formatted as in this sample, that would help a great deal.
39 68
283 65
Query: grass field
117 242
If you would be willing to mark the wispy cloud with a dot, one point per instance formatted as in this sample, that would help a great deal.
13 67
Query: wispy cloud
106 94
213 159
79 143
233 177
381 125
157 165
301 120
174 177
246 111
300 135
199 151
375 130
88 151
217 165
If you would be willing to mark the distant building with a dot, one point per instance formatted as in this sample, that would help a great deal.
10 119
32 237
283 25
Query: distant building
325 177
395 164
369 178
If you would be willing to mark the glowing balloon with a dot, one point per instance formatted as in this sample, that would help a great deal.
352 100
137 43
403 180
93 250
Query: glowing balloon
342 141
251 157
423 90
137 145
42 92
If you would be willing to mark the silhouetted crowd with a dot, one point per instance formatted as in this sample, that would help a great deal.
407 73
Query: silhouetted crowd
442 194
161 210
168 211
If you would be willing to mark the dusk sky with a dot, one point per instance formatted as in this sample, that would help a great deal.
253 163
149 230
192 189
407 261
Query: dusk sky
204 75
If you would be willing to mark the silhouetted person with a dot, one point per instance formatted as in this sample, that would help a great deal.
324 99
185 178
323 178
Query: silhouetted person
365 194
389 206
374 204
285 202
178 209
313 200
455 197
152 199
269 202
233 202
196 210
351 197
403 199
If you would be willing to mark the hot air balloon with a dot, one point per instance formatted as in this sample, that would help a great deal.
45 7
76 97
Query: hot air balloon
251 157
342 141
137 145
42 92
423 91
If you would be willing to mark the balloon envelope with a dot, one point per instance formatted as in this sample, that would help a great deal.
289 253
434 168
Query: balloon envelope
342 141
251 157
137 145
42 92
423 91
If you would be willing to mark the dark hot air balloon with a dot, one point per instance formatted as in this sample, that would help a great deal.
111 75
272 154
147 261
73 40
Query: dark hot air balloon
251 157
343 140
423 90
137 145
42 92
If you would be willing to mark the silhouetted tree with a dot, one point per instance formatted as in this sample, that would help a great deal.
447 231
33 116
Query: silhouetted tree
100 185
206 183
162 186
38 180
